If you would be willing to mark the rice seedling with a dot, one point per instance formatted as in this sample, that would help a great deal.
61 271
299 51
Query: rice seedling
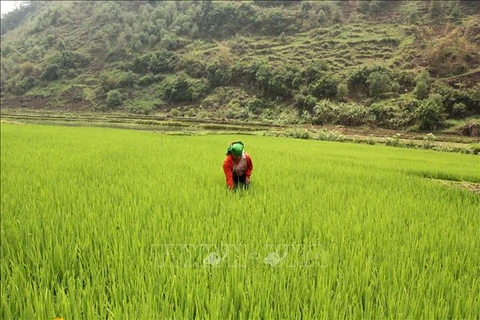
106 223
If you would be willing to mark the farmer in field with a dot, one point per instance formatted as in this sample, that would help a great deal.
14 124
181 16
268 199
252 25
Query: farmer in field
237 166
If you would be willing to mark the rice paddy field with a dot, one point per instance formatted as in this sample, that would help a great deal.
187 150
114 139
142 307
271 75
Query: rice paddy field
120 224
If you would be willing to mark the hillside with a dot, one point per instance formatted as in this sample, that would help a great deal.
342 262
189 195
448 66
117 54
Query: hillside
395 65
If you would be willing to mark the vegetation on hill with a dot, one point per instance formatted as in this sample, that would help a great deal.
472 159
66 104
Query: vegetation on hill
389 64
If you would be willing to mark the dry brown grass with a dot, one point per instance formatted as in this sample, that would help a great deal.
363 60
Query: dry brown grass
451 53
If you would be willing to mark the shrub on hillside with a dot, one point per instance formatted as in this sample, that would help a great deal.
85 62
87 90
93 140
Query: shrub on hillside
357 80
430 113
162 62
342 91
169 42
279 85
64 64
312 72
26 68
297 133
244 72
70 60
256 106
422 88
351 114
219 19
24 85
379 82
61 45
148 79
281 82
459 110
107 82
177 89
391 115
275 82
159 62
319 13
329 112
275 21
304 102
199 88
263 75
325 87
125 79
218 74
451 96
142 109
114 98
192 66
6 50
373 7
175 112
405 79
51 73
182 88
141 63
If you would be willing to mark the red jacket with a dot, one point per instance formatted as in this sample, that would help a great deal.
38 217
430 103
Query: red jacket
228 168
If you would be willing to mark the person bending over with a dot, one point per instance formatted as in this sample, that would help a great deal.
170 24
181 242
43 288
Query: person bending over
237 166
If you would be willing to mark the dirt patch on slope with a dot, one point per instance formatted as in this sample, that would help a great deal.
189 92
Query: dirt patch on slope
25 102
72 99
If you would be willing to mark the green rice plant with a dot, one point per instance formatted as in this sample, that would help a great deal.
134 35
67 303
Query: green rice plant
108 223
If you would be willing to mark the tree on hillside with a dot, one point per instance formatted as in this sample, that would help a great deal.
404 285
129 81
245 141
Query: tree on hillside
422 88
359 80
325 87
372 7
378 83
430 113
114 98
50 73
